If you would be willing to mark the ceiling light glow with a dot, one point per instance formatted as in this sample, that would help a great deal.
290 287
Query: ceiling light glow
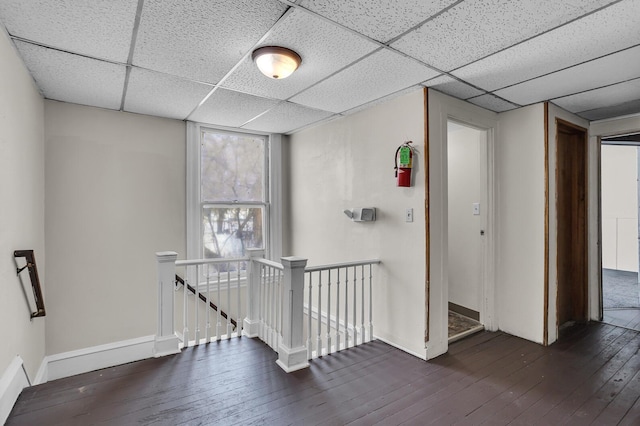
276 62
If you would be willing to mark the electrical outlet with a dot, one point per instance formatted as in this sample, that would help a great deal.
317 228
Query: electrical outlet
408 217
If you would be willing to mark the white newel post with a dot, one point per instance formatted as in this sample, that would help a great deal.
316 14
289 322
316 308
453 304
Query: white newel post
167 342
251 325
292 354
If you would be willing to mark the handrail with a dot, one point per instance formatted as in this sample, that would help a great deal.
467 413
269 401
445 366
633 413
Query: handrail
342 265
270 263
202 297
35 280
192 262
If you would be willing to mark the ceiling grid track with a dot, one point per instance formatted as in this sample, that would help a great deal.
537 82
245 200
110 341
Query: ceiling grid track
134 37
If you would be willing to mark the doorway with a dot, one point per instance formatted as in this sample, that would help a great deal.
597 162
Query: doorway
466 218
619 186
571 202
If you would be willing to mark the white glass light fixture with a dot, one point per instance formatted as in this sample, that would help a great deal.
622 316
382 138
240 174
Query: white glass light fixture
276 62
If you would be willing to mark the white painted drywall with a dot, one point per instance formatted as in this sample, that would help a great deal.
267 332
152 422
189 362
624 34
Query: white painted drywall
465 241
619 171
115 195
21 208
520 169
349 163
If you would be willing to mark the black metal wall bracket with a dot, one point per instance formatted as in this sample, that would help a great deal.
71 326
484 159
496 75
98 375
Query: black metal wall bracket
35 280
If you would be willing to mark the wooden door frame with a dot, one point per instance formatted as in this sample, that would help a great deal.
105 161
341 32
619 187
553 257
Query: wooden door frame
585 147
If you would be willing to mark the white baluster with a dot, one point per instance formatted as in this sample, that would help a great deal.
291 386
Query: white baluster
262 283
279 310
229 327
218 314
206 308
319 331
346 308
239 301
263 303
328 338
362 329
274 309
338 310
370 304
196 301
309 346
185 311
267 296
355 310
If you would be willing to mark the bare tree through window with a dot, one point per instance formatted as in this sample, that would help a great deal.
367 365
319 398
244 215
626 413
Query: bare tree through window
232 193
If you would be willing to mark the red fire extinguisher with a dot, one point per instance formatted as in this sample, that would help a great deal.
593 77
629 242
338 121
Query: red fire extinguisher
403 164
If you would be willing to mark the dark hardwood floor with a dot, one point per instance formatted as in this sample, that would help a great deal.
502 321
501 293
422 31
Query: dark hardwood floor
623 317
590 376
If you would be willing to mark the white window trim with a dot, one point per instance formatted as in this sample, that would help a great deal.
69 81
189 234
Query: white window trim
273 190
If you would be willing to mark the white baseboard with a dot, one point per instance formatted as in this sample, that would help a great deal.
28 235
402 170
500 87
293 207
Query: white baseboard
90 359
402 348
13 380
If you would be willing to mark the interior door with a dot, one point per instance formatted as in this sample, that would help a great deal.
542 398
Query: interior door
571 190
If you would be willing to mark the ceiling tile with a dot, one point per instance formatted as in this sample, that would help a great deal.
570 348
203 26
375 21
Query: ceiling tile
452 87
324 48
627 108
153 93
231 109
285 118
380 74
602 97
609 30
382 20
492 103
72 78
605 71
201 39
101 29
475 28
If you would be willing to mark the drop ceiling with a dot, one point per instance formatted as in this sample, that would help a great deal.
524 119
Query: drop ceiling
191 60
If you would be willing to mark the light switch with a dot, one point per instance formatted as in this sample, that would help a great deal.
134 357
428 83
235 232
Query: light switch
408 217
476 209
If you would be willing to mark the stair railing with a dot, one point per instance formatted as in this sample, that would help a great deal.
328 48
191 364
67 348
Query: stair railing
202 297
273 305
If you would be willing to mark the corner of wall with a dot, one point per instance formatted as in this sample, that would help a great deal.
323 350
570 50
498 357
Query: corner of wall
12 381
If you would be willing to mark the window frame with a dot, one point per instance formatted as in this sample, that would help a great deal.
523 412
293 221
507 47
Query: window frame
272 190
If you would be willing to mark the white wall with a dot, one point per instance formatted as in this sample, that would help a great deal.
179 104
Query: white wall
619 165
115 195
21 208
349 163
520 169
465 241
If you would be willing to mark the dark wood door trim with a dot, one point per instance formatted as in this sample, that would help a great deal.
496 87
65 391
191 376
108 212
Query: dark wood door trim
426 213
545 338
572 301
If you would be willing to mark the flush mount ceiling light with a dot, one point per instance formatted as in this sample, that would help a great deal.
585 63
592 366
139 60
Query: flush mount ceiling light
276 62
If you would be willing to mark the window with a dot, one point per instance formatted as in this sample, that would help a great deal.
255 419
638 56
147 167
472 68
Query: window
232 193
228 192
